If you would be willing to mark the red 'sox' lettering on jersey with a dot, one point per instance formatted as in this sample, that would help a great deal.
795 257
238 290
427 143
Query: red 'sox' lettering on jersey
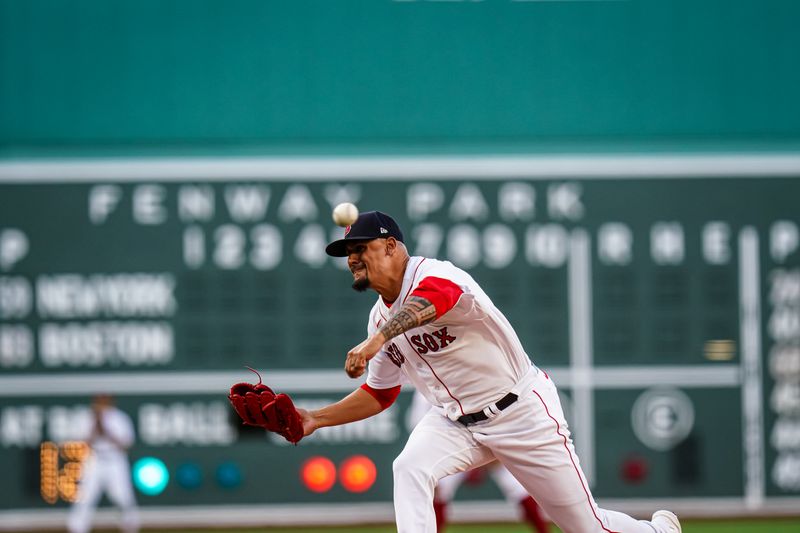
432 343
395 355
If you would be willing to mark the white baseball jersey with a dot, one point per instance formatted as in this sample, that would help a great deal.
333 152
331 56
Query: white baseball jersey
118 426
463 361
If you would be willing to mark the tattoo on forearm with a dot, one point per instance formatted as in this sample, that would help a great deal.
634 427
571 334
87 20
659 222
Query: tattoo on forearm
414 313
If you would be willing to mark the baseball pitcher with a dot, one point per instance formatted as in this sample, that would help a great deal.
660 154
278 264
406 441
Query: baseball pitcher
433 324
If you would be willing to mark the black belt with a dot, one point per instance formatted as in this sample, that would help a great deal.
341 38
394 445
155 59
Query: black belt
480 416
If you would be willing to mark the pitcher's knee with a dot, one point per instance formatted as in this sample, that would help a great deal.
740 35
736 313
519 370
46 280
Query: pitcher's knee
408 470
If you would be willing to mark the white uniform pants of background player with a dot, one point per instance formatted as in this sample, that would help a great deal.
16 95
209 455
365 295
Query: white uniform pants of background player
530 438
109 473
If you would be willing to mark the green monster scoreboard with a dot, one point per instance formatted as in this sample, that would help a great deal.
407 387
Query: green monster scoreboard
662 293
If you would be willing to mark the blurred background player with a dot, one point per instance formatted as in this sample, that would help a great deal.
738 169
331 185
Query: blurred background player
106 469
447 487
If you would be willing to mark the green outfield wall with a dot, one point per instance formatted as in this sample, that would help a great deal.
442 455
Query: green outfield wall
376 75
666 307
620 176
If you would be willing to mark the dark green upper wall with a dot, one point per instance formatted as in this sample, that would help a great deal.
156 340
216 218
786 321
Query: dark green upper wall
208 74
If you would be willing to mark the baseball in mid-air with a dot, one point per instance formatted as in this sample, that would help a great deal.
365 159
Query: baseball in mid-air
345 214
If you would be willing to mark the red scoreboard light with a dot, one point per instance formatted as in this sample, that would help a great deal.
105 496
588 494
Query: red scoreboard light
318 474
358 473
634 469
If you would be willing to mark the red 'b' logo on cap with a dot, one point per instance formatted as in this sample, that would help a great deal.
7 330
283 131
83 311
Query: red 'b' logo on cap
347 230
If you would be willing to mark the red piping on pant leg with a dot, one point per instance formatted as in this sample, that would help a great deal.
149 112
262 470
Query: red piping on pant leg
572 460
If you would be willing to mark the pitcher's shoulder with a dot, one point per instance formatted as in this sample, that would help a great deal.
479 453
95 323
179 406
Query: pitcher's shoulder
426 266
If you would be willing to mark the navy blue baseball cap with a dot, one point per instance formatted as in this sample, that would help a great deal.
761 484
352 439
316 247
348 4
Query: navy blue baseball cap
368 226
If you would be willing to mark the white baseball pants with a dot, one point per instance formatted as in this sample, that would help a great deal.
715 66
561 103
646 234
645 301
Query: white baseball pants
508 484
110 474
530 438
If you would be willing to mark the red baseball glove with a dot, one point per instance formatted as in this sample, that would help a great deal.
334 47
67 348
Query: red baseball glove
258 405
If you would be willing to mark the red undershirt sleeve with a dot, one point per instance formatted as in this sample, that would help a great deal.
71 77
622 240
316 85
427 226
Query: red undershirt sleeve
442 293
385 397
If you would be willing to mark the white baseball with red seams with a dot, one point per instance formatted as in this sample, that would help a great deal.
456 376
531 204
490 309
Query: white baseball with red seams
464 362
344 214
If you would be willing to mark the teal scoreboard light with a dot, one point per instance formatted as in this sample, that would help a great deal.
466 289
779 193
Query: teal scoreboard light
662 293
